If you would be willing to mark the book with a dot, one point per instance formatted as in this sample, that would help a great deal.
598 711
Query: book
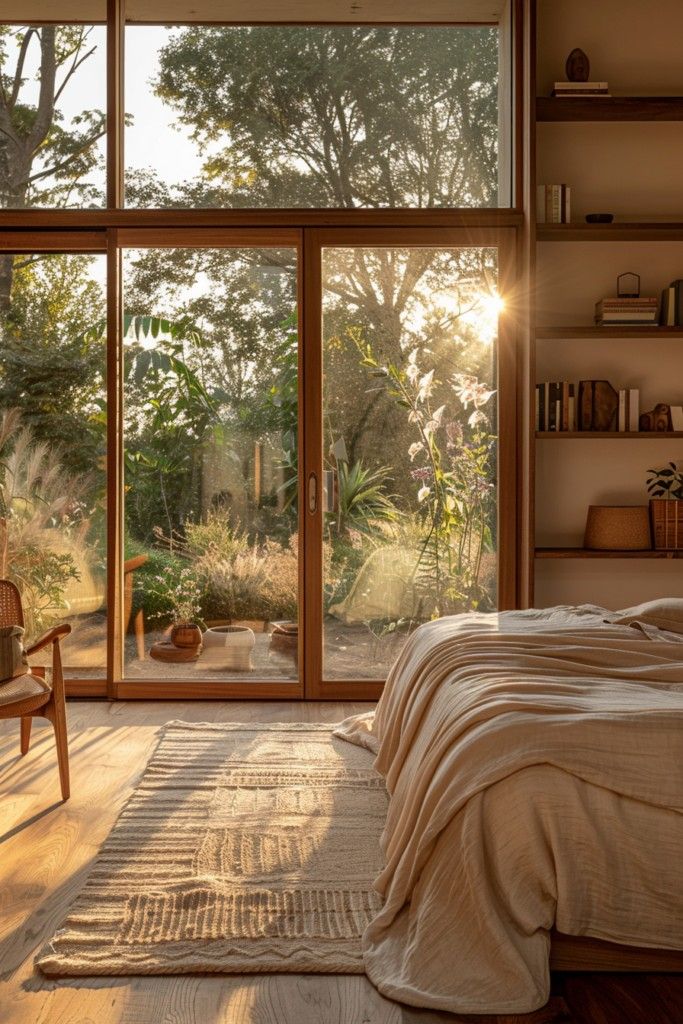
667 315
676 417
553 204
580 86
633 409
677 285
622 413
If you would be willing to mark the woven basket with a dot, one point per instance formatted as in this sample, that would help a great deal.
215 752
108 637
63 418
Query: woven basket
667 523
617 528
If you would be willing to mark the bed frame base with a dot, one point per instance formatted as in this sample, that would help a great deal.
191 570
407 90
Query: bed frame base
582 953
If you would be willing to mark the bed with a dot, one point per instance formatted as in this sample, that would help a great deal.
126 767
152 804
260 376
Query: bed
534 762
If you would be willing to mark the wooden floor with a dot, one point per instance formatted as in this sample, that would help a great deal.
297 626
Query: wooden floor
46 850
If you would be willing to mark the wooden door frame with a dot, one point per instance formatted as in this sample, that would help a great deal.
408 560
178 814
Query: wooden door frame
315 240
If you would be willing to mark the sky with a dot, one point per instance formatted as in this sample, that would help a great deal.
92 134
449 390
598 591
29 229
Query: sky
153 140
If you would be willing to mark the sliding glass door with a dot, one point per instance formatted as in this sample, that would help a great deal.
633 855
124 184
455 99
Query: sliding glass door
415 436
210 460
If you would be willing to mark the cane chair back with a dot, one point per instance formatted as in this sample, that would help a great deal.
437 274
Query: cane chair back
11 612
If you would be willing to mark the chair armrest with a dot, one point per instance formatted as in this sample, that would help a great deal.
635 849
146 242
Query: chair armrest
131 564
52 636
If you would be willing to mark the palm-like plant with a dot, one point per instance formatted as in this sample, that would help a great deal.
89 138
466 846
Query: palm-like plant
363 501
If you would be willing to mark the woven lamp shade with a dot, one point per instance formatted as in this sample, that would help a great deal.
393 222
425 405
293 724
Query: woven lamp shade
617 528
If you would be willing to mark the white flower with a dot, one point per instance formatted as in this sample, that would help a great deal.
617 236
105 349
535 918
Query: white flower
412 372
414 449
426 386
423 493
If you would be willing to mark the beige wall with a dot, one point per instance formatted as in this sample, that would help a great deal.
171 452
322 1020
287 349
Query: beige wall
634 171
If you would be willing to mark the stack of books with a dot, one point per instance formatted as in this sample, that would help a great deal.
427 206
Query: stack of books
622 312
629 410
672 305
555 406
553 204
585 90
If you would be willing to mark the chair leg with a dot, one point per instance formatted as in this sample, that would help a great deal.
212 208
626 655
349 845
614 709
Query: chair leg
26 723
55 711
139 625
57 716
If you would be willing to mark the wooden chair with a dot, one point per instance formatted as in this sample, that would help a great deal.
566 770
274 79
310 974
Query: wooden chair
29 695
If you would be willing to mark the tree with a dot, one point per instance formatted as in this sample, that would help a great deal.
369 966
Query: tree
43 163
337 116
49 367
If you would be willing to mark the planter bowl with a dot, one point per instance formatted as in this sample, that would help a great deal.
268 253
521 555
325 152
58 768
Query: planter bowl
228 647
186 634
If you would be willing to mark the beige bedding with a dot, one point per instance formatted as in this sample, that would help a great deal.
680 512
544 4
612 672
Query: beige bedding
535 766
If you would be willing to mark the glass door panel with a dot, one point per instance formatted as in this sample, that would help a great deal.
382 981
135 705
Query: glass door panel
410 427
210 463
53 443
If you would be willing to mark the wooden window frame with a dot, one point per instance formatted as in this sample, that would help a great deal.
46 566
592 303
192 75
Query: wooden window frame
111 229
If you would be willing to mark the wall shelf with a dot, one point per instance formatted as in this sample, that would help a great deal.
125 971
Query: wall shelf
575 333
610 435
587 553
609 108
636 231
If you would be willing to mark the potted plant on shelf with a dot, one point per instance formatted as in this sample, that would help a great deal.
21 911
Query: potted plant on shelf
665 487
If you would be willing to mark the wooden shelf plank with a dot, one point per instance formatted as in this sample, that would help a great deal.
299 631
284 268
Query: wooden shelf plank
609 108
587 553
610 435
635 231
576 332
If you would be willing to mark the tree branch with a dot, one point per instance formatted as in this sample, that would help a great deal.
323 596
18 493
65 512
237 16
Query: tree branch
16 85
65 163
48 72
74 67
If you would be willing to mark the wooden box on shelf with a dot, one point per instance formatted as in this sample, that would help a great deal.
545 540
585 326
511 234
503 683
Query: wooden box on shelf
666 515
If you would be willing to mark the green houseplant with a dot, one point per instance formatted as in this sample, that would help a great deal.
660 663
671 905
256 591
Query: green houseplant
665 487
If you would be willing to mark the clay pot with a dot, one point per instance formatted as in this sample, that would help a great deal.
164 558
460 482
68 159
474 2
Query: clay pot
186 634
229 647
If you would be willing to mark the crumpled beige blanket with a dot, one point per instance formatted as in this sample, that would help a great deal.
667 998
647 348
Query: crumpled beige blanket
534 762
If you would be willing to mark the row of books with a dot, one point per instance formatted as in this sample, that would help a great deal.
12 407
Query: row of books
583 89
553 204
622 312
556 407
671 314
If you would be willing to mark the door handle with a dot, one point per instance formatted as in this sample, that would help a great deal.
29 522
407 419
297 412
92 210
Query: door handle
312 494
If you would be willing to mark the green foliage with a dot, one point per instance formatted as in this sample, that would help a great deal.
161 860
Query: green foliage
666 482
363 504
39 511
147 595
44 160
338 116
453 474
51 365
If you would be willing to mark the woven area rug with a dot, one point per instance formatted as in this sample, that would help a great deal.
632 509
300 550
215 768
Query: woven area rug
244 848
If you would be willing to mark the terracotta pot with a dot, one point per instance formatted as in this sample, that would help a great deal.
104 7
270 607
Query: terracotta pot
186 634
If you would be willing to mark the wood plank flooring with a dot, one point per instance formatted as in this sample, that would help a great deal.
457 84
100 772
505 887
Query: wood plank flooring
46 850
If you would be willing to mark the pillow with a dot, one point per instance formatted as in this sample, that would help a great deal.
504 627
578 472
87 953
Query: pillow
12 654
665 613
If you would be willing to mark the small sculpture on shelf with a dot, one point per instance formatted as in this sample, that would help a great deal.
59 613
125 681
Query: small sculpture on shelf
657 420
578 67
628 285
